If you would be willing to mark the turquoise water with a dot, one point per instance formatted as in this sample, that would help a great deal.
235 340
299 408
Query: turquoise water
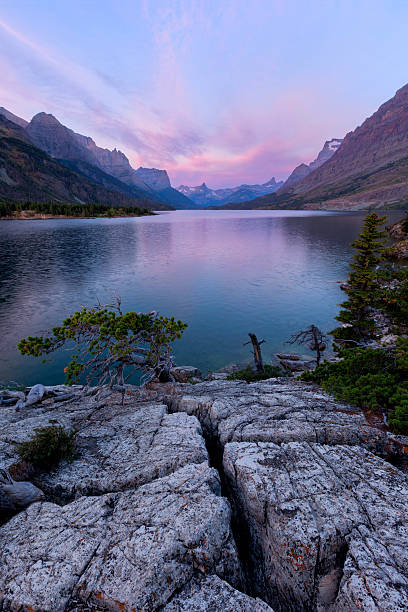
225 273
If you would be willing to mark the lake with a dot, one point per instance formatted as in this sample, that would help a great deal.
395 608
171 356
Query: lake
225 273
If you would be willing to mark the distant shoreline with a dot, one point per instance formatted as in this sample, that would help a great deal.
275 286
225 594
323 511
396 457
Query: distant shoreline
20 216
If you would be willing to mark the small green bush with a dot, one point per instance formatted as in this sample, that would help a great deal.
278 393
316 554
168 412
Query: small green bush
371 378
250 375
48 447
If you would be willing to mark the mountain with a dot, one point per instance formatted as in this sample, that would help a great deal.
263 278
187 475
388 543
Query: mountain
29 174
369 168
303 170
11 117
204 196
329 149
159 181
109 181
62 143
300 172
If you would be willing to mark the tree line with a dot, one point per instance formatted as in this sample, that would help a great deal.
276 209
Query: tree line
8 209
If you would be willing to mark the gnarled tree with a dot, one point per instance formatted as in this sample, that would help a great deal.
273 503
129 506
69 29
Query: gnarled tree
111 345
313 337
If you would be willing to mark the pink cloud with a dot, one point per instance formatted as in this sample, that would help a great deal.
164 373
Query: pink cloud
245 140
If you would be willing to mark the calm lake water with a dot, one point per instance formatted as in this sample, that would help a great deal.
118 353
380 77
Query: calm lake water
225 273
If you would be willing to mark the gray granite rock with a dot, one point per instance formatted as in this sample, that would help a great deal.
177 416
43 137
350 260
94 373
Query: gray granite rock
118 448
328 525
121 551
16 495
280 410
321 522
184 374
215 595
35 394
129 450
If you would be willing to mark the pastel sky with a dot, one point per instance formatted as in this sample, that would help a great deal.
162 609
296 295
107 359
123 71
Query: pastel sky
222 91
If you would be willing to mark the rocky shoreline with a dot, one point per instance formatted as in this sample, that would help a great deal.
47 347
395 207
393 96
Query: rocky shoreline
216 495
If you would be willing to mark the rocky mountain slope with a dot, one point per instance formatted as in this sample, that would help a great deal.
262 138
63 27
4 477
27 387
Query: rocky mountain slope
310 518
303 170
81 154
13 118
29 174
369 169
47 133
204 196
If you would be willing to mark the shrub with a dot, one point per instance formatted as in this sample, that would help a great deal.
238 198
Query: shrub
371 378
250 375
48 447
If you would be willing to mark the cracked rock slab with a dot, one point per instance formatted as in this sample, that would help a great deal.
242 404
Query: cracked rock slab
121 551
115 451
278 410
328 525
216 595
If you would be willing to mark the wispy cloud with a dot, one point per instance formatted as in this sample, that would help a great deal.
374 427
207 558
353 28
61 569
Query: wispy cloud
218 91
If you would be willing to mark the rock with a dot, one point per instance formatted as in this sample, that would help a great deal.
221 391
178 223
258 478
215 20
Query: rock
328 525
35 394
126 451
184 374
288 356
217 376
389 340
118 448
280 411
123 551
297 365
16 495
216 595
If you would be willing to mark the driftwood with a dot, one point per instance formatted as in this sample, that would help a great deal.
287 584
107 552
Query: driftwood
17 495
257 352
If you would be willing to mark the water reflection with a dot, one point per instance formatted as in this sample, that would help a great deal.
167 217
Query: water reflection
225 273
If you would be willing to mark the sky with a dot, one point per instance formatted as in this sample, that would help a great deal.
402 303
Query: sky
221 91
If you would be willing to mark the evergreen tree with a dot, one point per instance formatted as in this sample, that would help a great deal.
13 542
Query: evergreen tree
362 284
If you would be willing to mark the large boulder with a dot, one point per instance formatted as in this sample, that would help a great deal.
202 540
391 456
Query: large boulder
122 551
126 451
327 525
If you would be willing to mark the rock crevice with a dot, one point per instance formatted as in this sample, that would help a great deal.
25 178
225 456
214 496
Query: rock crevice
288 503
139 523
320 518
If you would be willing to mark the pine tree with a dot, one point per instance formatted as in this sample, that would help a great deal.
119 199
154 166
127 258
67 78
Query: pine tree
362 286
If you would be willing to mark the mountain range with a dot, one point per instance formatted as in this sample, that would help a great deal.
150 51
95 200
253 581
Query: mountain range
79 170
204 196
44 160
368 170
29 174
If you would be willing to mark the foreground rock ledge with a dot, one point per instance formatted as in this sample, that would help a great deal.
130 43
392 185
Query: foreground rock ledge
328 525
322 522
320 518
118 447
127 551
